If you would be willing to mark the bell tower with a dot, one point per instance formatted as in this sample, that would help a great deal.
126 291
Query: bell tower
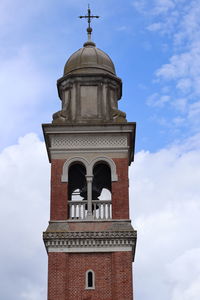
90 241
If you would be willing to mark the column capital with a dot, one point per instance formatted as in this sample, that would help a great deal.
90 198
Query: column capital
89 177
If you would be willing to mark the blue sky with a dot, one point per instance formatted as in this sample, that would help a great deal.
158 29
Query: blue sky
155 46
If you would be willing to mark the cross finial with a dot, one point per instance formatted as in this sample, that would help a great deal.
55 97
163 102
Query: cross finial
89 16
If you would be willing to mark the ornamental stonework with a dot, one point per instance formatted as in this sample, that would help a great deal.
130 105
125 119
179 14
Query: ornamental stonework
89 240
85 141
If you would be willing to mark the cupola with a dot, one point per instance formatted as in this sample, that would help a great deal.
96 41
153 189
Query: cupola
89 59
89 88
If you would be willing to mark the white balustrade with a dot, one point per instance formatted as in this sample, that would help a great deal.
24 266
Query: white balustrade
101 209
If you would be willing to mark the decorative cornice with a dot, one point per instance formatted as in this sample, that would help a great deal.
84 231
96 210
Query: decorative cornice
101 241
64 141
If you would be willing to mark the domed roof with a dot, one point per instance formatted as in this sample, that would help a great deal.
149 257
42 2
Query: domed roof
89 59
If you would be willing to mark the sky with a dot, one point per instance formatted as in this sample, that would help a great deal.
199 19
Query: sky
155 46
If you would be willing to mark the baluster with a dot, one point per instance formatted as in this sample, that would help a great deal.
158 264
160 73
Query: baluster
95 210
83 210
104 211
79 211
108 210
70 210
107 207
100 208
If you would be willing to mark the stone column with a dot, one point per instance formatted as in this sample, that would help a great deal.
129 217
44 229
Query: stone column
89 196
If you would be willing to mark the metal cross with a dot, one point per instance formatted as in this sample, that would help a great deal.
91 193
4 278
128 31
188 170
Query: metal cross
89 16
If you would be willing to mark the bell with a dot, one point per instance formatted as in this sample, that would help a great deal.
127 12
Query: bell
96 192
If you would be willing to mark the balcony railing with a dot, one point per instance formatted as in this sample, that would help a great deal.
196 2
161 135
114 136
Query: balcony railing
101 210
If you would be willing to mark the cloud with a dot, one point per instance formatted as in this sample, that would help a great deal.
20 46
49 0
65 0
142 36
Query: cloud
186 279
24 194
164 189
140 5
154 27
180 104
162 6
179 22
158 100
24 88
183 66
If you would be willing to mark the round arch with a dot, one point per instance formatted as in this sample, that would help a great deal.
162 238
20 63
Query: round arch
109 161
67 164
90 279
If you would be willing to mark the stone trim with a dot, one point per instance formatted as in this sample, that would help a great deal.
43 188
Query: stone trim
87 287
90 249
90 132
101 241
89 166
109 161
84 141
67 164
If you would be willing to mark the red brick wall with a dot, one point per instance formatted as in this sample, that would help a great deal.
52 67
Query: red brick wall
113 276
101 264
57 276
122 276
120 195
59 194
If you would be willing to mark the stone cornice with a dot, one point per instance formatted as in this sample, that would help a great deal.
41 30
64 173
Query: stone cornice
90 138
101 241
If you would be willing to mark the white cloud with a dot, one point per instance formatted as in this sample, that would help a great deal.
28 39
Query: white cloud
194 113
154 27
139 5
164 188
158 100
156 7
162 6
181 66
186 279
24 194
179 21
180 104
24 88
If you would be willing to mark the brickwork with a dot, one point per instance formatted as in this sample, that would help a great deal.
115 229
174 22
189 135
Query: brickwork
120 196
57 276
113 276
113 271
122 276
101 264
59 207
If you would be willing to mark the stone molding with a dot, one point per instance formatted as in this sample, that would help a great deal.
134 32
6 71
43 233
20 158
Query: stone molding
89 166
62 140
84 141
101 241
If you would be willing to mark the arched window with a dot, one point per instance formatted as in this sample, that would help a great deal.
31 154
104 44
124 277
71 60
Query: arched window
90 280
77 181
77 191
101 179
102 191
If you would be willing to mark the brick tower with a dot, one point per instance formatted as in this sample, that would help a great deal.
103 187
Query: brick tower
89 241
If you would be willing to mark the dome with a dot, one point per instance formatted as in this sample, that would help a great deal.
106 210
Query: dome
89 59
